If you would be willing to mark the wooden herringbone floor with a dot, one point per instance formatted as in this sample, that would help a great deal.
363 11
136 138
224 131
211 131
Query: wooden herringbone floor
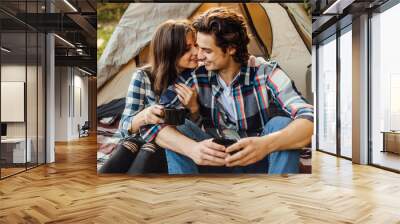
70 191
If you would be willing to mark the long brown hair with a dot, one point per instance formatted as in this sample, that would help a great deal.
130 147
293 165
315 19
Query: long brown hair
166 48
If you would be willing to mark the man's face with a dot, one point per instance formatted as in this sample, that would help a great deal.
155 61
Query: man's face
210 54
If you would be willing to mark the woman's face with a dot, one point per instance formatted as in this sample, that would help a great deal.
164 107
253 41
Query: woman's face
189 58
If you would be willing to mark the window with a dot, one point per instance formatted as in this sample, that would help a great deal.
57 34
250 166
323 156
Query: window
22 75
385 88
327 95
346 92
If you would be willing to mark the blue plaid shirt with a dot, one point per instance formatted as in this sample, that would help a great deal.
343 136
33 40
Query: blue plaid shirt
139 96
259 94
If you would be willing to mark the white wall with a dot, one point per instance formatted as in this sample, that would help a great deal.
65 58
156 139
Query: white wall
61 103
70 83
16 73
81 82
33 127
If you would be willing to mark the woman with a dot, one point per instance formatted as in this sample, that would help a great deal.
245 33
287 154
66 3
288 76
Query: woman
173 50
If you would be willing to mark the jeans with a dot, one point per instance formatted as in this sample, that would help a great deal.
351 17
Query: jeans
280 162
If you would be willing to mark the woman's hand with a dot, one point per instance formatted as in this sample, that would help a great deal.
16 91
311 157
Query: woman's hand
150 115
188 97
255 61
153 114
252 61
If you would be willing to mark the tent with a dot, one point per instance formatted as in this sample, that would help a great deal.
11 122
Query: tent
278 31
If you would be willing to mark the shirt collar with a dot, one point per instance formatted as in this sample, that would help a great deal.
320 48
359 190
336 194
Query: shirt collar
242 78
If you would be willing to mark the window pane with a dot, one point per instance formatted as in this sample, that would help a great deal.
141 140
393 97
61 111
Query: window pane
385 88
327 96
31 99
41 98
346 94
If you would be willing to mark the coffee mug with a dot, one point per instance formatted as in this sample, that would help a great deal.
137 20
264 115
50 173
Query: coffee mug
173 116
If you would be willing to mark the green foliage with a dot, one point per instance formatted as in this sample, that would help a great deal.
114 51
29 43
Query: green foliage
307 7
108 16
110 12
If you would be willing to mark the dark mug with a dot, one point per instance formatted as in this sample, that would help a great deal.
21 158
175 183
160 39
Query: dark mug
225 142
173 116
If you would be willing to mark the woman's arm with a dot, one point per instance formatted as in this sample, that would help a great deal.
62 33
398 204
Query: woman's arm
134 103
150 115
136 122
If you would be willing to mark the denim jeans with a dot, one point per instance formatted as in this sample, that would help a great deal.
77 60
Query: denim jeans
280 162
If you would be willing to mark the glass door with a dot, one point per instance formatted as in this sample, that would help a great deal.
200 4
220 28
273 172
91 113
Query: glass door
14 155
22 77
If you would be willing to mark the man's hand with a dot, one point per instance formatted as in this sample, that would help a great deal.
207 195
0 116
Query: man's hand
249 150
208 153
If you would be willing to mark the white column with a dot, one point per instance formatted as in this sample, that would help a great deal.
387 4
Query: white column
360 90
50 92
50 100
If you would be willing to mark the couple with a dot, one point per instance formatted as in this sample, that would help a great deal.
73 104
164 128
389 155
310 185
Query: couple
226 96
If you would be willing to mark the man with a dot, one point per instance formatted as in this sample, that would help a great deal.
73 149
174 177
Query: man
260 105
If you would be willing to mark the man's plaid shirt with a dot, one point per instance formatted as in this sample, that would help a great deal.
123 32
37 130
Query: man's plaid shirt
259 94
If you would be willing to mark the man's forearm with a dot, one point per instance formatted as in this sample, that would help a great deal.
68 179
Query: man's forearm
172 139
296 135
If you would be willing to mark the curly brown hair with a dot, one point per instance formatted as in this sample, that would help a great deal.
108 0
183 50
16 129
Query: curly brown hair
228 28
